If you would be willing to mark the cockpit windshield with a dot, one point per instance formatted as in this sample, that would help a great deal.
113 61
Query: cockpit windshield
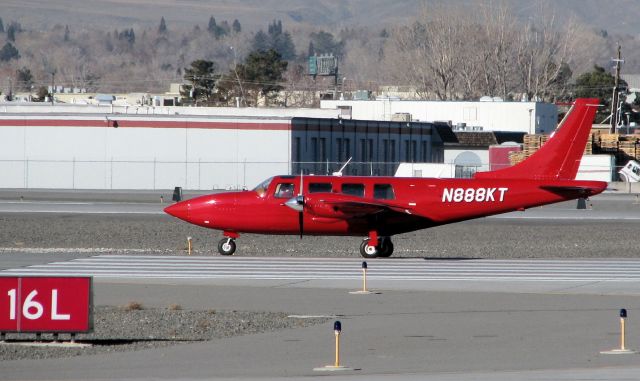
261 188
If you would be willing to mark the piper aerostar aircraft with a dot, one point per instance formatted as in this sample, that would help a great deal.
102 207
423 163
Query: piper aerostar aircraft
381 207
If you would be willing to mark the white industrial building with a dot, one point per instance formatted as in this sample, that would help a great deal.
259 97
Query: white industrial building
527 117
105 147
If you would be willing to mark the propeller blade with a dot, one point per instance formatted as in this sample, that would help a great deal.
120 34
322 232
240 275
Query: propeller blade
301 185
301 223
300 200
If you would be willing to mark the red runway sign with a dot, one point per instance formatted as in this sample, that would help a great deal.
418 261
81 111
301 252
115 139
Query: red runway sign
46 304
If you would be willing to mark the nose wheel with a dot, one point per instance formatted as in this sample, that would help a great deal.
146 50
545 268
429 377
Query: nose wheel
227 246
383 250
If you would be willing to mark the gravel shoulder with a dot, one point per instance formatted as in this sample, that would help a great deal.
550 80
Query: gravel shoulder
129 329
163 235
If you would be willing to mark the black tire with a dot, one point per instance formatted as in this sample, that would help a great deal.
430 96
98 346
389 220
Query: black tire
367 251
386 248
227 246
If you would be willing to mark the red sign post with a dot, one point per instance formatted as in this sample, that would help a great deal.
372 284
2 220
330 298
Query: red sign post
46 304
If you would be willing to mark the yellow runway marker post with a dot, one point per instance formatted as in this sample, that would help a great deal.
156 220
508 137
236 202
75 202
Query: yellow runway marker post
364 282
337 329
623 348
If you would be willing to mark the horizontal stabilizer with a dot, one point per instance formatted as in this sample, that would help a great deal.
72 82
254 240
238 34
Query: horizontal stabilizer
572 191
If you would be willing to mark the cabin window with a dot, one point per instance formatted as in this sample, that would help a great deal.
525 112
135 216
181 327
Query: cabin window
284 190
383 192
353 189
319 187
261 189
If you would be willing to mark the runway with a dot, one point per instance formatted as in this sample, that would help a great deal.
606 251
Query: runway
406 269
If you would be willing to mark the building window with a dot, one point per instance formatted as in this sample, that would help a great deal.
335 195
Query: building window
392 151
323 149
414 151
314 149
297 150
423 150
407 151
347 149
385 150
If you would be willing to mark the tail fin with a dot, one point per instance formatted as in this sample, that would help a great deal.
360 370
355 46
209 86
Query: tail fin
559 157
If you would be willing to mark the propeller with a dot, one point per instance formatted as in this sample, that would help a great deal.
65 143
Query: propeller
297 203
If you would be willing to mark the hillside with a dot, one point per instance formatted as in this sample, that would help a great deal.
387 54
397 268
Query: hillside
253 14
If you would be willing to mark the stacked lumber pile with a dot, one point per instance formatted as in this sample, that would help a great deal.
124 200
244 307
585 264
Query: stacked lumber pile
516 156
532 143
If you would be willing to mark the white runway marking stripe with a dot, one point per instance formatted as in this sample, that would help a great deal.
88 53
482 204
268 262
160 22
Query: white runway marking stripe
130 266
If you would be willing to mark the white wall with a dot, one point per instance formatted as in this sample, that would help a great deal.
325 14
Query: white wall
140 158
68 108
450 156
491 116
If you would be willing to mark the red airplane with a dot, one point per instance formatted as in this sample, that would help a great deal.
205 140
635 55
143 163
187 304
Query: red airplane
381 207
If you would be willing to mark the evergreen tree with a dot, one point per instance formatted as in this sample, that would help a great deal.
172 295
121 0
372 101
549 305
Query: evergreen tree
9 52
325 43
284 45
24 79
162 29
203 78
217 30
275 39
224 25
236 27
260 42
66 33
597 84
263 71
11 33
312 49
1 26
41 94
212 25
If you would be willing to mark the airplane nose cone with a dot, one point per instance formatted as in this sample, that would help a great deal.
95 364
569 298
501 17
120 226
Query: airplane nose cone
179 210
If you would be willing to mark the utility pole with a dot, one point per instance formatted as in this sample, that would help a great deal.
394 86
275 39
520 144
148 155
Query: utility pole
53 85
614 98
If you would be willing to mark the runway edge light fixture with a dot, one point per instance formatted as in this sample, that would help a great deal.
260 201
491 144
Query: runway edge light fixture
364 282
337 330
623 349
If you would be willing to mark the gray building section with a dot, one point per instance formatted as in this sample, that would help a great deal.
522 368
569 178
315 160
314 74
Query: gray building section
322 146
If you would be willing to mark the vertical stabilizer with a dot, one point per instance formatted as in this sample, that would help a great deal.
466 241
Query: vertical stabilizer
559 158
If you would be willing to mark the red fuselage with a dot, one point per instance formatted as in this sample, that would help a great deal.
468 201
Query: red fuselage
388 205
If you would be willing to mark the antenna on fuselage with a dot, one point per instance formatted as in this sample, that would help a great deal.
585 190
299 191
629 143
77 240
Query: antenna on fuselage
339 173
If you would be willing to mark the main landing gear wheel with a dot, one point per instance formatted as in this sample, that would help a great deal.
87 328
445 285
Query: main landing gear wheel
227 246
368 251
383 250
386 248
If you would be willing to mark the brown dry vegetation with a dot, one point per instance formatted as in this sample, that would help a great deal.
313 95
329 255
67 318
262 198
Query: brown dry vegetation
447 52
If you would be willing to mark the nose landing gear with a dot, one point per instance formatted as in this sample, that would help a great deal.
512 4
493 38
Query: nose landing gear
383 250
227 246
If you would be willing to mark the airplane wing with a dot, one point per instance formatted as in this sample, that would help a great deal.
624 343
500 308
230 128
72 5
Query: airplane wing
332 205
